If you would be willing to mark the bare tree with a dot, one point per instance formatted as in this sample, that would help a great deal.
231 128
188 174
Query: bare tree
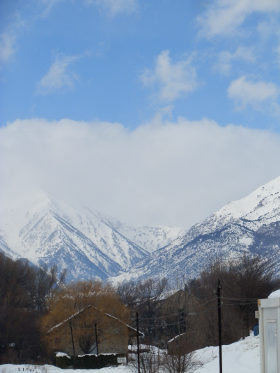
144 297
243 281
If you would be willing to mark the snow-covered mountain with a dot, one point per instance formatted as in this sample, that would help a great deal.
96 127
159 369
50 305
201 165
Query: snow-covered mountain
250 225
83 241
92 245
150 238
73 238
4 248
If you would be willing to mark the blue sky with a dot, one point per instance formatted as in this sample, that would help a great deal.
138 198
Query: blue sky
134 67
123 60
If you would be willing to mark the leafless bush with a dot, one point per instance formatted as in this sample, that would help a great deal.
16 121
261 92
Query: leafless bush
180 363
150 362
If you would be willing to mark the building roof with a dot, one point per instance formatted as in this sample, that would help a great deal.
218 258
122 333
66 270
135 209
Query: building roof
79 312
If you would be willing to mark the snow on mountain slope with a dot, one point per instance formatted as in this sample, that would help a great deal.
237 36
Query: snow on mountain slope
248 226
75 238
92 245
262 206
4 248
150 238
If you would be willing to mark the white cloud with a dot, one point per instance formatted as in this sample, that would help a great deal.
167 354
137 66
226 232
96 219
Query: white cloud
245 92
7 46
161 173
267 28
171 79
114 7
111 7
8 39
224 17
277 50
59 75
226 58
48 5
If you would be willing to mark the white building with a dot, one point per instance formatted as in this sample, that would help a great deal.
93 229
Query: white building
269 326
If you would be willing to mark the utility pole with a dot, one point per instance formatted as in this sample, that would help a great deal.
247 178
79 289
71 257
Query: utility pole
72 339
138 347
96 338
73 345
219 287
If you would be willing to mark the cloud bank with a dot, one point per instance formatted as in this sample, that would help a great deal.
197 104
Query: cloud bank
163 172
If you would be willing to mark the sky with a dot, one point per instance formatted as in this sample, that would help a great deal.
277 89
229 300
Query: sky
153 111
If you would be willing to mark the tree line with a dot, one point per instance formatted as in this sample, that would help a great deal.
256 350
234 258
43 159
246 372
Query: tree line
192 311
24 290
33 300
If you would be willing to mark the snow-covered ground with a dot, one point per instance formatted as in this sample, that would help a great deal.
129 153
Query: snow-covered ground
241 357
7 368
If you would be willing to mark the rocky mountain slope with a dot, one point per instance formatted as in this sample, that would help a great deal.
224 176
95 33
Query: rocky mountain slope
247 226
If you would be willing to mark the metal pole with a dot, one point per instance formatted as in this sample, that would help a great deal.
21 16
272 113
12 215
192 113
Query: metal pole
219 287
138 349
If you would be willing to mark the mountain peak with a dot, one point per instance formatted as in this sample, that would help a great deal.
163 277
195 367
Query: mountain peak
264 202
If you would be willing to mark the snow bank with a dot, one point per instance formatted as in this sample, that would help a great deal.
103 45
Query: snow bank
241 357
275 294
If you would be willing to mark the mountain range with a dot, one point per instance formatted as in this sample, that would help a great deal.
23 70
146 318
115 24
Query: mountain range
91 245
248 226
